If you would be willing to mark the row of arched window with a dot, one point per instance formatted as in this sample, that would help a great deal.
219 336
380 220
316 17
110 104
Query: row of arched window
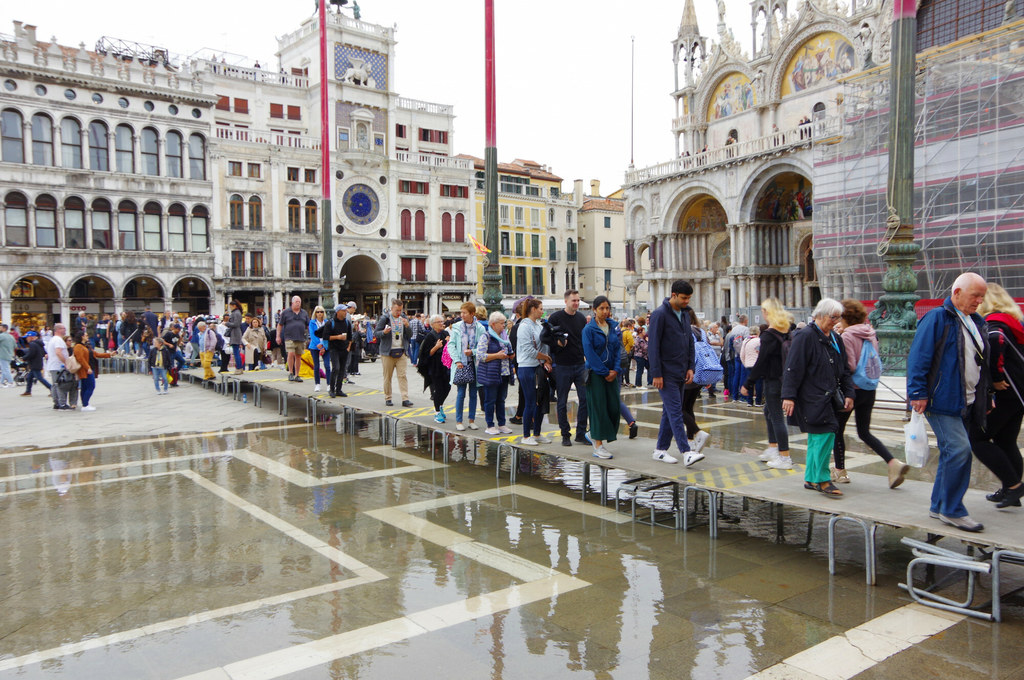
244 213
453 229
99 226
73 146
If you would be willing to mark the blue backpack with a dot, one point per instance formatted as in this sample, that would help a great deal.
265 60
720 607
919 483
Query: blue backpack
869 367
708 369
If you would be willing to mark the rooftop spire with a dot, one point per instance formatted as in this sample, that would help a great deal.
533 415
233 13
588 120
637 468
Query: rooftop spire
689 22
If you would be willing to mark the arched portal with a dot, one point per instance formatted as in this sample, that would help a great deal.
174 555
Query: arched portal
142 291
35 303
191 296
361 278
93 295
786 197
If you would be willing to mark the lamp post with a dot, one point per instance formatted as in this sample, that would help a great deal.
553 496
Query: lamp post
492 265
894 316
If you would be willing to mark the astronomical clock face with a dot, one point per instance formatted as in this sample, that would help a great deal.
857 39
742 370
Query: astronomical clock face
361 207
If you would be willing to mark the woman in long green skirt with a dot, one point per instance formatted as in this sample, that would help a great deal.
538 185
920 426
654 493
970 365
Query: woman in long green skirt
602 343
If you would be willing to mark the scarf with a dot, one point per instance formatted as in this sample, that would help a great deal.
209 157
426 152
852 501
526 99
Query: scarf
1011 322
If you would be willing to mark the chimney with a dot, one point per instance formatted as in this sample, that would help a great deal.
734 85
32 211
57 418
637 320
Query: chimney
577 191
595 187
30 33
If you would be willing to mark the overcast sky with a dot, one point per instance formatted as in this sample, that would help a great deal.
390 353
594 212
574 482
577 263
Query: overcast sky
563 66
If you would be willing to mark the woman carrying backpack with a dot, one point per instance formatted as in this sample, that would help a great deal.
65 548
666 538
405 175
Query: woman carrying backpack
996 446
861 352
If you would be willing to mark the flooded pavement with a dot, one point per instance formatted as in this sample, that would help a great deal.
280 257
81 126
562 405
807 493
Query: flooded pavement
294 551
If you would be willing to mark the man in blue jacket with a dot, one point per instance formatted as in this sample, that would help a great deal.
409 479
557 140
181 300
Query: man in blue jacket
670 352
948 381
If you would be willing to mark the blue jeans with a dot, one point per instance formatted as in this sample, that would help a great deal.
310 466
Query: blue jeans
566 377
641 366
494 402
316 365
460 396
239 361
160 375
736 372
87 385
954 471
35 376
414 350
532 416
179 359
672 423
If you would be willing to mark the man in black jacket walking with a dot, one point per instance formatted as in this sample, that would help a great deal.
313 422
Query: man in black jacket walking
34 357
671 354
338 334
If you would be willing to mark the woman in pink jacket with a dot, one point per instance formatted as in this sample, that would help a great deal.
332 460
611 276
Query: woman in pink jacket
856 332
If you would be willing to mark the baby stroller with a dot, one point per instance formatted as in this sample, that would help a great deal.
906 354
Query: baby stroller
19 369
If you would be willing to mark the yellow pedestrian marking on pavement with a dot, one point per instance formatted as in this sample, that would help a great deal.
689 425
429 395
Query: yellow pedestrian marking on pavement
732 476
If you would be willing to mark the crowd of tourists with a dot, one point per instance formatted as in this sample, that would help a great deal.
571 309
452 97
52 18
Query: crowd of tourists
965 372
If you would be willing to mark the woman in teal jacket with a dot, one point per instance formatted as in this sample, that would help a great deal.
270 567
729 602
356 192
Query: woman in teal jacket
318 348
601 342
462 346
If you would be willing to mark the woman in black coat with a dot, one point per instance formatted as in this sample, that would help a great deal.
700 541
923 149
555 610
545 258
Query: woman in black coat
769 367
816 383
996 445
435 374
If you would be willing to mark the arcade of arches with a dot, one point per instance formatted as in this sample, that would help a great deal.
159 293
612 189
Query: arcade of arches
734 266
35 300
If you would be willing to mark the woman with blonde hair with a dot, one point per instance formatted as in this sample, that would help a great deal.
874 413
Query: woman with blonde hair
996 445
769 366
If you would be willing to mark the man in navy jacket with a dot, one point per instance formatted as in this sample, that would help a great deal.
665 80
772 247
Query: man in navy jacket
670 352
948 381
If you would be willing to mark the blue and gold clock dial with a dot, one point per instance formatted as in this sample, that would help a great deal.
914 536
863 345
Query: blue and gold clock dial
361 204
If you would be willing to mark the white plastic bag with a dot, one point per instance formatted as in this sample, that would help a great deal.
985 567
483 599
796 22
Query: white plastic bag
915 438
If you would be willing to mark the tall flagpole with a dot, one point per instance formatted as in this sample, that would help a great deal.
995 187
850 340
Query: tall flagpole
327 292
492 267
632 93
894 315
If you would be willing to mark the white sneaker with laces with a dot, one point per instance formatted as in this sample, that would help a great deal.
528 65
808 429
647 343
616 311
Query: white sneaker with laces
771 453
781 463
691 457
504 429
601 452
700 440
542 440
316 388
460 427
528 441
473 426
88 408
492 430
664 456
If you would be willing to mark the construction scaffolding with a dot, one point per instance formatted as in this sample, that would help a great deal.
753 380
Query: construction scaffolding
968 175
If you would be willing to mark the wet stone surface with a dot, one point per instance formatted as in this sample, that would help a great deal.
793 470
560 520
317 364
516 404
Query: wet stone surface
292 551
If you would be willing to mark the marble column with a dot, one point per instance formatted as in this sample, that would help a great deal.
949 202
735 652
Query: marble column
734 287
65 311
741 292
7 311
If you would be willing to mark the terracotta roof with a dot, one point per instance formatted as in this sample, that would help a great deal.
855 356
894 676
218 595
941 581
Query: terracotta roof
529 169
608 205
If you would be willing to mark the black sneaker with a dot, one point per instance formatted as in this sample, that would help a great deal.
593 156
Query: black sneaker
634 429
341 394
582 439
331 394
406 403
566 440
298 379
996 496
515 420
388 403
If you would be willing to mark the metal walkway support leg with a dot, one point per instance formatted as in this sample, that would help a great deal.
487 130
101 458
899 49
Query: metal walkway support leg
869 528
282 403
712 508
928 554
513 462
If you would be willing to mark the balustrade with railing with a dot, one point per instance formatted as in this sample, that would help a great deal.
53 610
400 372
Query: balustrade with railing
256 75
272 138
800 135
433 160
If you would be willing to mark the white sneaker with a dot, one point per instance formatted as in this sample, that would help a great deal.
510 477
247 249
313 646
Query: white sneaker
528 441
691 457
504 429
543 440
317 388
492 430
700 440
781 463
664 456
473 426
601 452
460 427
88 408
771 453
